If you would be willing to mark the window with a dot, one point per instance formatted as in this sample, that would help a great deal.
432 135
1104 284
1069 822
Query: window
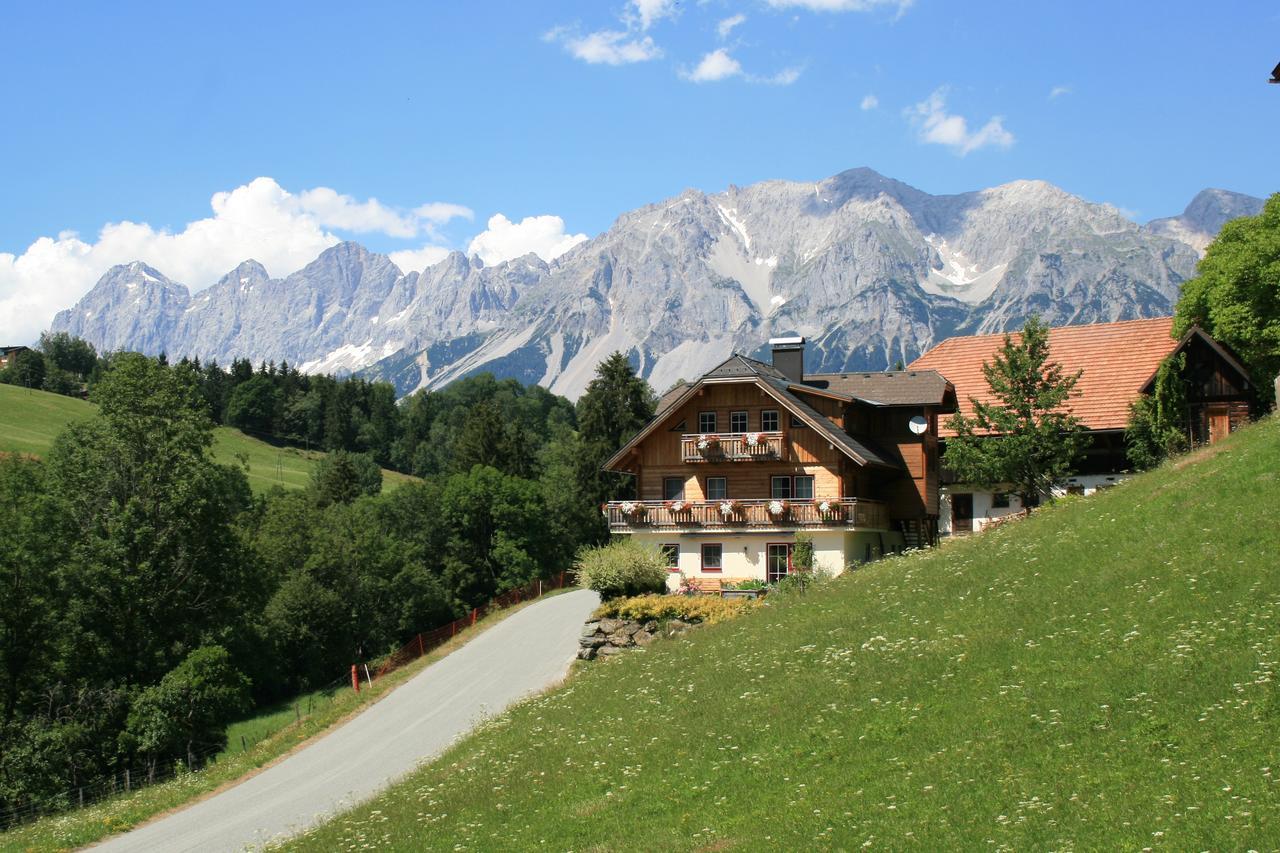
680 427
672 489
706 421
803 488
737 422
672 555
717 488
796 423
778 562
780 488
769 420
712 557
1000 500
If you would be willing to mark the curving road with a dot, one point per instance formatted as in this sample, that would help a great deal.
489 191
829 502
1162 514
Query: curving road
526 652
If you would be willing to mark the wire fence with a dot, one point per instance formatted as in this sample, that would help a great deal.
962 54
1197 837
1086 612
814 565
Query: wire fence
133 778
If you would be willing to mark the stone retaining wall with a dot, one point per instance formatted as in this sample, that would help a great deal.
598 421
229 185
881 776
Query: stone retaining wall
605 637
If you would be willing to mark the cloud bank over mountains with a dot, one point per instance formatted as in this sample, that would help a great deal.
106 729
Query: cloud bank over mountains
260 220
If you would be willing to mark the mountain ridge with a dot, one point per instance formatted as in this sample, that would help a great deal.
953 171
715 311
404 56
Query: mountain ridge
870 269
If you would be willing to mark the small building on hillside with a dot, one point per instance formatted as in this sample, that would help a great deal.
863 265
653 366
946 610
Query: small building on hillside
1118 363
736 463
8 354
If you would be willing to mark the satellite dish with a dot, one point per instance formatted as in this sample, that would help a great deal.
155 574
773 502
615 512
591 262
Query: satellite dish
918 424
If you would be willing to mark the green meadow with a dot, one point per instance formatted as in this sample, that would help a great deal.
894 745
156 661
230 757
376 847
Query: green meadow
30 420
1100 675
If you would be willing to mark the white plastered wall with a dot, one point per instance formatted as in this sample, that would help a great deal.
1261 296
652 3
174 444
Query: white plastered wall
743 554
985 511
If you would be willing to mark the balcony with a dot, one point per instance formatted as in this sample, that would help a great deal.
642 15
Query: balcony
695 516
733 447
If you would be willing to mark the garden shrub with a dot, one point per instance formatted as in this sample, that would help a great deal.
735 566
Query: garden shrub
621 568
705 608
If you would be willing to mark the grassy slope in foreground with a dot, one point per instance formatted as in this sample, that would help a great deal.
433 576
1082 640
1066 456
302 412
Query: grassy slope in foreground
30 420
1100 675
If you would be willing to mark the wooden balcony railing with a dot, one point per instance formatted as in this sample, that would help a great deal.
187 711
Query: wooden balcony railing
733 446
841 513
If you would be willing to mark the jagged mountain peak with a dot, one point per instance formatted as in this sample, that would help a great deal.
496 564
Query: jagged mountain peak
1204 216
871 269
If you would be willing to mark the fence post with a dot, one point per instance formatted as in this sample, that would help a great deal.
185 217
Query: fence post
127 785
539 587
473 616
421 646
355 678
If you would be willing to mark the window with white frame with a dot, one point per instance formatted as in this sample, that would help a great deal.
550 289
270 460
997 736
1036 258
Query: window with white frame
737 422
706 421
769 420
717 488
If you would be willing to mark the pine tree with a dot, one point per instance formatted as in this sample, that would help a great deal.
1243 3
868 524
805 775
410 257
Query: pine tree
616 406
1025 439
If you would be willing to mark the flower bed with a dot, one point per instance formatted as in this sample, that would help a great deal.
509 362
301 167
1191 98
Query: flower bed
703 608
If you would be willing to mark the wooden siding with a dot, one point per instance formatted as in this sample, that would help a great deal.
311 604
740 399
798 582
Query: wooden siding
911 494
744 481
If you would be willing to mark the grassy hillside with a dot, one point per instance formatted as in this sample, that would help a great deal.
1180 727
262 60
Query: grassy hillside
1098 676
29 421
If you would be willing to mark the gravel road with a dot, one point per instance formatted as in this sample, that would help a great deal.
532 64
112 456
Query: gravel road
526 652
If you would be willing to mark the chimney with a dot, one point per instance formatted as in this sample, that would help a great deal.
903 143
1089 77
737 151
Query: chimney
788 357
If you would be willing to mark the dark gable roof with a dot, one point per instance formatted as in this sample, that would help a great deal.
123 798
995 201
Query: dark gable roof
738 367
860 449
891 388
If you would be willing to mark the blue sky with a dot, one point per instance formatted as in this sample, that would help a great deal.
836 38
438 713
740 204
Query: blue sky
141 113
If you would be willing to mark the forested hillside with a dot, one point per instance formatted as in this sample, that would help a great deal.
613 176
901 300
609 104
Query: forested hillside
147 596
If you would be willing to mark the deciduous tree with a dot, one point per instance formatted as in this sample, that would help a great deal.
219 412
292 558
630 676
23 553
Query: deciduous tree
1235 296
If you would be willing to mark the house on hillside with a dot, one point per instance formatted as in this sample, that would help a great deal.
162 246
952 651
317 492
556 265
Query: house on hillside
1118 363
8 354
736 463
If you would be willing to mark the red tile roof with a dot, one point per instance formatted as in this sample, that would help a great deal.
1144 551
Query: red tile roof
1116 359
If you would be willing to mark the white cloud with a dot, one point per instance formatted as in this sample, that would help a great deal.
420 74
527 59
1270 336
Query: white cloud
417 260
842 5
719 65
785 77
504 239
260 220
607 47
937 126
869 102
716 65
645 13
618 47
726 26
1059 91
342 211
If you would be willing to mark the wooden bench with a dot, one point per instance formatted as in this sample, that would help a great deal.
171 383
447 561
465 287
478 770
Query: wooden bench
711 586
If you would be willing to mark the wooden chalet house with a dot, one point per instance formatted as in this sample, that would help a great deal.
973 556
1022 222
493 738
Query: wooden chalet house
1118 363
8 354
736 463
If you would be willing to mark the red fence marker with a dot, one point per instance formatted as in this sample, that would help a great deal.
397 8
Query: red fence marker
355 678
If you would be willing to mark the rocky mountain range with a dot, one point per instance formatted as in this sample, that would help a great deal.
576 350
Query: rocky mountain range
869 269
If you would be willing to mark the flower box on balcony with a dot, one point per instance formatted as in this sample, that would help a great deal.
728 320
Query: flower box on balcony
730 509
708 445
